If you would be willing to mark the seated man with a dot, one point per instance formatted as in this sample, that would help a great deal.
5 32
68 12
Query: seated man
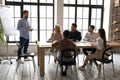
64 43
75 35
90 36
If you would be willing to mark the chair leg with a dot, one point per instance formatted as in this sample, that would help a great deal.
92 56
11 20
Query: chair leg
76 73
103 73
49 59
78 58
17 66
71 69
33 63
57 69
113 68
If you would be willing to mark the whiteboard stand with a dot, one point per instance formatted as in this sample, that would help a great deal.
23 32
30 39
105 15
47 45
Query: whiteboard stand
7 54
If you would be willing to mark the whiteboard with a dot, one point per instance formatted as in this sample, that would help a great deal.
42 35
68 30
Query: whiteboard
7 21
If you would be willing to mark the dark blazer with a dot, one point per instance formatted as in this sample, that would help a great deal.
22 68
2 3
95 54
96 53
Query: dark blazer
75 35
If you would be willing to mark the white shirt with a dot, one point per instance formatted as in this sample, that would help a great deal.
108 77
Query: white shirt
90 36
100 43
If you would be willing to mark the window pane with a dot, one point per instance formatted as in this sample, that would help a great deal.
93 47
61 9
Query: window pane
43 35
99 2
30 0
99 13
49 34
27 7
43 1
49 11
17 11
69 1
65 12
71 12
94 2
98 24
79 12
34 11
34 23
72 1
43 11
26 0
34 36
65 26
34 0
93 22
66 1
79 24
86 1
49 1
14 0
49 23
80 1
85 12
16 22
42 23
85 23
70 23
94 14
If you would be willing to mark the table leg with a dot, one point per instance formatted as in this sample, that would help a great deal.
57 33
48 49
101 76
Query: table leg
41 61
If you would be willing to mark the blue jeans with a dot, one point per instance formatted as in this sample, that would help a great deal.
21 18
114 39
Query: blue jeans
24 43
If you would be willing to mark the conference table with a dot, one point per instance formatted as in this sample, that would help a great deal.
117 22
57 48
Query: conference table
42 45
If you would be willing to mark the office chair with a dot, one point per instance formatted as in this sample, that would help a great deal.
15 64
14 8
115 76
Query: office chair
72 59
107 58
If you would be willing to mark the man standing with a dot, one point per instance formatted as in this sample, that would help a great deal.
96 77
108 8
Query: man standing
24 28
91 37
75 35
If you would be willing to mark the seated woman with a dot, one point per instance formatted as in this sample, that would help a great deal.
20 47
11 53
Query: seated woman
56 35
99 45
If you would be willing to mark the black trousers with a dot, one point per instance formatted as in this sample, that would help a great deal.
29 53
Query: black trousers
93 50
23 44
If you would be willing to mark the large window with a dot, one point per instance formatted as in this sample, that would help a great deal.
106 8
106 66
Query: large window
83 13
40 17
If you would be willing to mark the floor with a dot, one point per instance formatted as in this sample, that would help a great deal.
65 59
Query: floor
26 71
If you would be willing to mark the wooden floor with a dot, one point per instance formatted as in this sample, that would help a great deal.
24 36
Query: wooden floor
26 71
